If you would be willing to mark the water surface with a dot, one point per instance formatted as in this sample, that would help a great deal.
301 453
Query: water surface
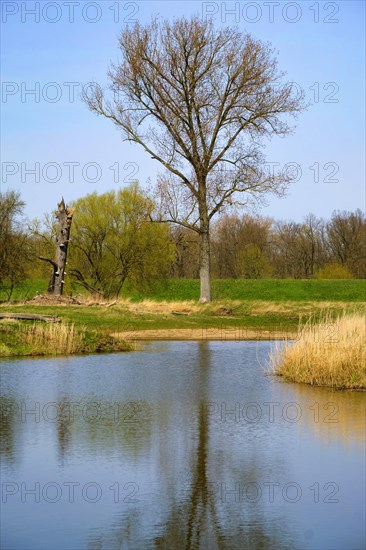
180 445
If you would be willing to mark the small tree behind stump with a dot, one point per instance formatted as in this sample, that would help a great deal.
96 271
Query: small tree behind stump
64 219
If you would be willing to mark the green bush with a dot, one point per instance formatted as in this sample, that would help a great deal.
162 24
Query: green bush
334 271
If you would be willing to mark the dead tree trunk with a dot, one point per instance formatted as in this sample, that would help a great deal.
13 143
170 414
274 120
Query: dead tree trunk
64 218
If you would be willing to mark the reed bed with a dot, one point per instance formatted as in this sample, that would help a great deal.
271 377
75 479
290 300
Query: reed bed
52 338
331 352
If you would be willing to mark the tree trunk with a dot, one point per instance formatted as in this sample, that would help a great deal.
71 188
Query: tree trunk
64 216
205 293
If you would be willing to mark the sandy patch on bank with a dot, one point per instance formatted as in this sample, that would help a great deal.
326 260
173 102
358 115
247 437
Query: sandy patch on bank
204 334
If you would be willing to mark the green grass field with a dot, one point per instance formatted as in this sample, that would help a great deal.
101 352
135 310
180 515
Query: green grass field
276 290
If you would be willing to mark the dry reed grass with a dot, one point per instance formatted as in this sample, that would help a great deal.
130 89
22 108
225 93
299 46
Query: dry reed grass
53 338
261 306
181 306
152 306
331 352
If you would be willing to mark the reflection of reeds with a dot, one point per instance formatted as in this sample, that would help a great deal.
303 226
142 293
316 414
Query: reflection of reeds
328 353
53 338
333 415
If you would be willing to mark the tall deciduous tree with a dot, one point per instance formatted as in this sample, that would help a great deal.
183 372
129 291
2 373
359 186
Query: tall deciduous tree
199 100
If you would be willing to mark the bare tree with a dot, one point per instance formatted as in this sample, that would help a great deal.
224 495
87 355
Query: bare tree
14 242
199 100
234 239
186 257
346 235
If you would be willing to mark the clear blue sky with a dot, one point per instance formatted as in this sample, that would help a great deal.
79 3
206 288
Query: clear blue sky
320 45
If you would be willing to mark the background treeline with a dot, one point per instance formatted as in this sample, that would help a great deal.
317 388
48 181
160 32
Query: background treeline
114 245
257 247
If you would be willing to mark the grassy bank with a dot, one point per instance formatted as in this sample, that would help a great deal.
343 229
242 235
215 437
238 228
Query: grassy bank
331 352
263 307
219 320
38 338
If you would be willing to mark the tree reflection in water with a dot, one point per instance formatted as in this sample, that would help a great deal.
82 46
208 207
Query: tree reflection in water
203 518
10 428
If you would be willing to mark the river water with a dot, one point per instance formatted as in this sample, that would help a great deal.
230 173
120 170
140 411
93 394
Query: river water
178 445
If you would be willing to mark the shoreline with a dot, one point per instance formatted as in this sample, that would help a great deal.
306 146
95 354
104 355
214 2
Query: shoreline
205 334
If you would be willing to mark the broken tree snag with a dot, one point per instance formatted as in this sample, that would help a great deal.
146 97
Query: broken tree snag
64 218
51 284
